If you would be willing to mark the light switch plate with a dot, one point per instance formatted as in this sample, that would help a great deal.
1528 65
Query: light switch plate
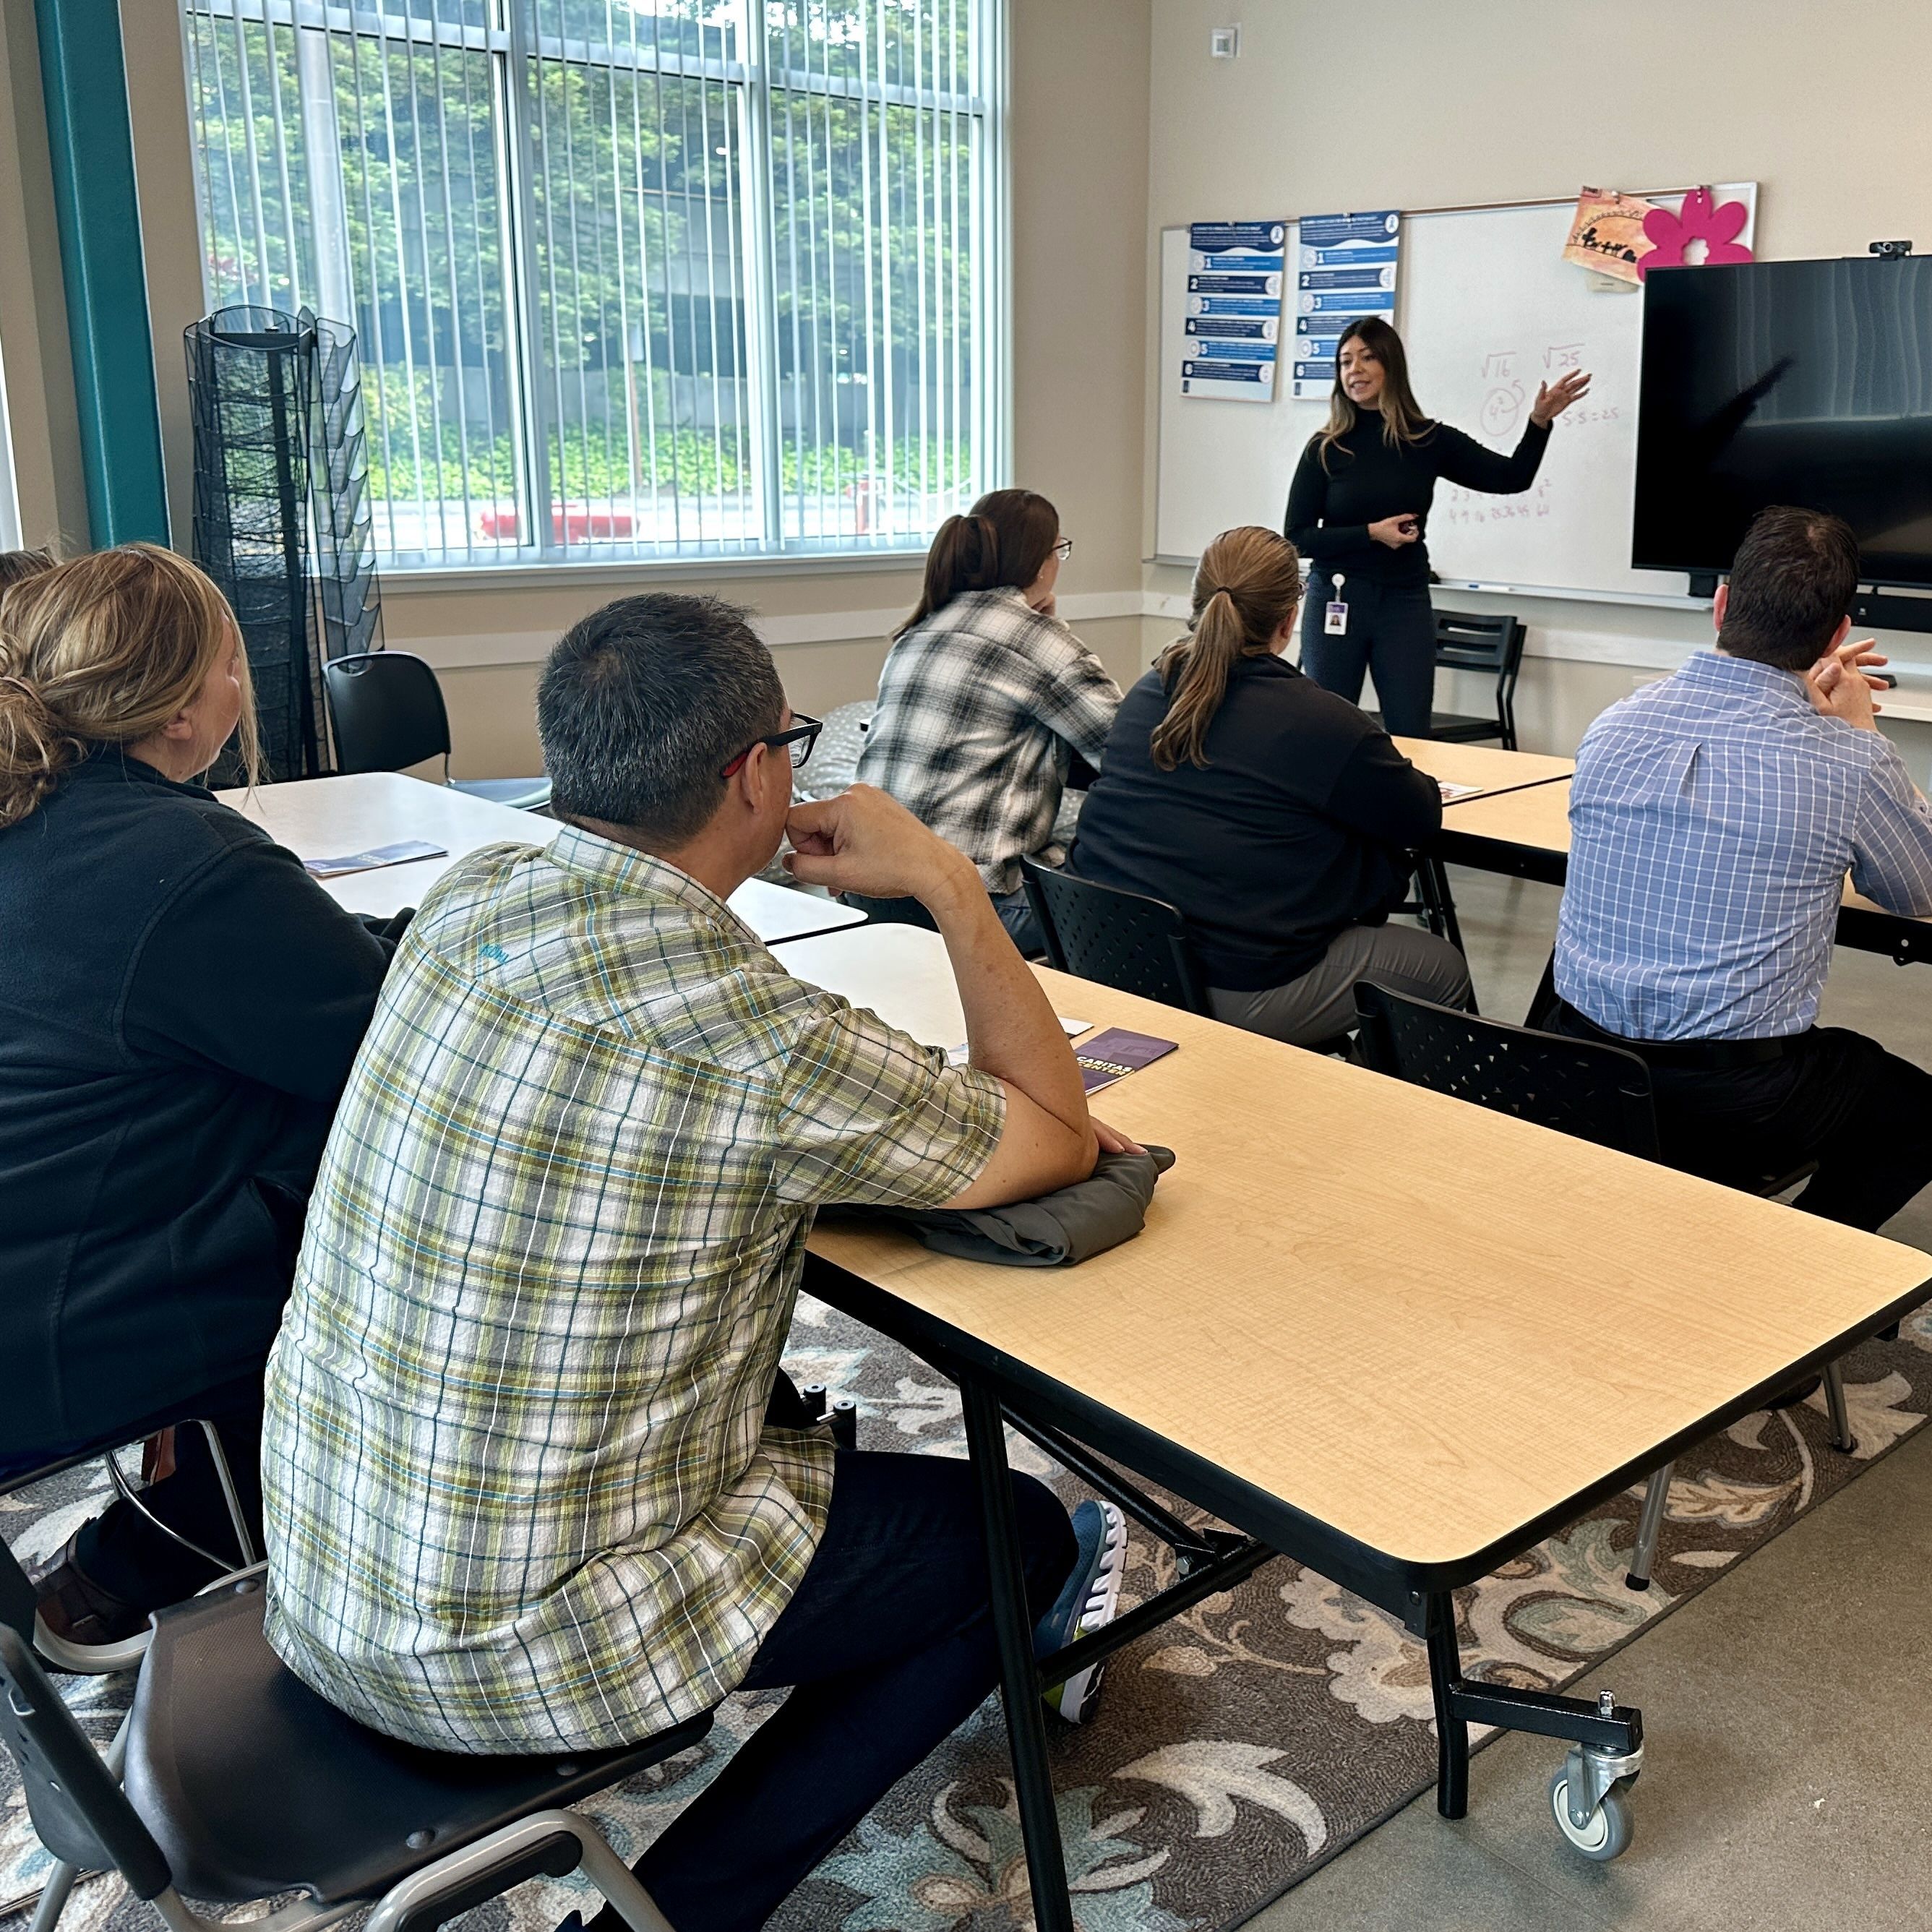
1224 43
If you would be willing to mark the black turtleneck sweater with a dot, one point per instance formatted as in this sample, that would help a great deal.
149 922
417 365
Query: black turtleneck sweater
1331 505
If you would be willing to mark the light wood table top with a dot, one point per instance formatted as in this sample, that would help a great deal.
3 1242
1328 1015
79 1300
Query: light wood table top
327 818
1534 816
1537 819
1420 1323
1486 767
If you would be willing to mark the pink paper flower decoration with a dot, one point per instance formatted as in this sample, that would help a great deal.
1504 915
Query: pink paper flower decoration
1698 221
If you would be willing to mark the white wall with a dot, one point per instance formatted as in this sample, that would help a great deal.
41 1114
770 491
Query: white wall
1414 104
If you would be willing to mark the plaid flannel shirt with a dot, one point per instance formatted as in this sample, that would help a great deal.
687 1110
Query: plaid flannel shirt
1713 818
977 709
520 1494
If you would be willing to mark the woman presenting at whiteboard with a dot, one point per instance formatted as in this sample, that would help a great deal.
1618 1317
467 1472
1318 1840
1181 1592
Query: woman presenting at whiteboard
1356 510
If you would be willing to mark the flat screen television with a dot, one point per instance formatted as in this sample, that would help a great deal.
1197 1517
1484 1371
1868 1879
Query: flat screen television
1805 383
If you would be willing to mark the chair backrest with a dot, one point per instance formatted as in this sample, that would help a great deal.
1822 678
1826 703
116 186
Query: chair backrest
77 1809
1119 938
1488 641
1597 1093
388 711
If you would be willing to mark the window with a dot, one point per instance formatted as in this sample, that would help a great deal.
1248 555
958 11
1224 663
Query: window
700 277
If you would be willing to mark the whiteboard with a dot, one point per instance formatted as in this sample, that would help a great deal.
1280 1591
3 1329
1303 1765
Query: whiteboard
1488 308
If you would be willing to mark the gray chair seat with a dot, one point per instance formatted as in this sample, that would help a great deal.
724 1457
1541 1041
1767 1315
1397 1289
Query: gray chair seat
520 794
834 763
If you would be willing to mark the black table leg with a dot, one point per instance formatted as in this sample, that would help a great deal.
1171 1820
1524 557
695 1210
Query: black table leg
1452 1731
1019 1676
1441 901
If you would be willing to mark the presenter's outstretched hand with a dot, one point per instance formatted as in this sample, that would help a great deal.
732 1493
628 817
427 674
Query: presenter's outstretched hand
1553 398
864 841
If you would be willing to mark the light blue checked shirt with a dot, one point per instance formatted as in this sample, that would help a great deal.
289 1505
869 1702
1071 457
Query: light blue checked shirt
1713 818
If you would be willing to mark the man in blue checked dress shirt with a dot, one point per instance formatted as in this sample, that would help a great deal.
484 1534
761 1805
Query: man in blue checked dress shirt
1714 818
536 1482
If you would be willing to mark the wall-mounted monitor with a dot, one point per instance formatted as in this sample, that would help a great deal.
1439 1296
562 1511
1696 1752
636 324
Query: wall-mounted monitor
1806 382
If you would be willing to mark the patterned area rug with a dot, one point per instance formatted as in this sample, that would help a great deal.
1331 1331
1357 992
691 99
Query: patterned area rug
1235 1749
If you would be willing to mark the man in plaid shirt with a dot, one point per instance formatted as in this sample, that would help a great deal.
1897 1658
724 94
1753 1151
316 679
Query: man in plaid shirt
535 1482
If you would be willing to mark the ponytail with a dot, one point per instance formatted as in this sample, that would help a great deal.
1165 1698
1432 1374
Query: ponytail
1248 585
1002 542
104 651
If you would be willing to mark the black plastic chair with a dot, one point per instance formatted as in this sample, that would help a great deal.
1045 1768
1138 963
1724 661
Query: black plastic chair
1591 1090
242 1784
1118 938
20 1612
389 714
1489 643
1594 1092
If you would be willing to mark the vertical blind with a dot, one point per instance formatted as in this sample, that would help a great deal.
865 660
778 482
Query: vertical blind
9 505
699 277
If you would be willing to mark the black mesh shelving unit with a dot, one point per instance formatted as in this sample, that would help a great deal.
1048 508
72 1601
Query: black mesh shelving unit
281 511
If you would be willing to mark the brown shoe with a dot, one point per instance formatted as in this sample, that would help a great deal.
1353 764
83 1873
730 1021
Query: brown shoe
77 1609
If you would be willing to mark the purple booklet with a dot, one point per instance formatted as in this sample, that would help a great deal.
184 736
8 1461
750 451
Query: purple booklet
1114 1055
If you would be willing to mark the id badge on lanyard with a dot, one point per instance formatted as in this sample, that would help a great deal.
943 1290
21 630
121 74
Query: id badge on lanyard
1335 623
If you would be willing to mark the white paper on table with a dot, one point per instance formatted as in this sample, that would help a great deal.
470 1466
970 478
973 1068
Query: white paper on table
404 852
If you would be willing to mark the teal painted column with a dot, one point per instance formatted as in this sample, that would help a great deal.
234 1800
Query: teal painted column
90 144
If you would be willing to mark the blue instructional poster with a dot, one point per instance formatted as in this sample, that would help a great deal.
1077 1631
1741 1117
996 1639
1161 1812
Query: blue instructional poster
1345 267
1236 271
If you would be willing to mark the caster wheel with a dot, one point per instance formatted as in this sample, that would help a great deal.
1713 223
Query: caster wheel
1607 1835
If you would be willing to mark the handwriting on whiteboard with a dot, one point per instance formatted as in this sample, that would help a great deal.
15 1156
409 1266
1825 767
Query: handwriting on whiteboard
1458 505
1506 400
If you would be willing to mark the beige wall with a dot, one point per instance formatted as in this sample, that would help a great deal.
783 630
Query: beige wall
1079 220
1446 101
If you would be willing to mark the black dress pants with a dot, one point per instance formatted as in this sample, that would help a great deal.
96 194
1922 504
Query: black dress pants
1391 632
889 1645
1863 1114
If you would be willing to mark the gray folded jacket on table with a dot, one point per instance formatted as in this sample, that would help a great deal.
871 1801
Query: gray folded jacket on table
1070 1224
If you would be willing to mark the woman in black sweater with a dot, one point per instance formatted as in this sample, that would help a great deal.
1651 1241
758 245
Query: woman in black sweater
179 1004
1272 813
1358 508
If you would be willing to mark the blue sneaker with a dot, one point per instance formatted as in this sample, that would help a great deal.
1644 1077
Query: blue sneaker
1087 1602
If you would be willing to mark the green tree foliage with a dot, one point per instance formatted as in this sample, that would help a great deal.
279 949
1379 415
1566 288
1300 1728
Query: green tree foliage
579 179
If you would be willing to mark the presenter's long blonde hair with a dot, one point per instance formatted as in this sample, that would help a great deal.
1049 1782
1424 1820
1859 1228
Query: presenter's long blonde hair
1247 586
1402 419
105 650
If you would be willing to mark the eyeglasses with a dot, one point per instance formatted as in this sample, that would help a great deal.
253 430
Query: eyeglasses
802 735
1063 549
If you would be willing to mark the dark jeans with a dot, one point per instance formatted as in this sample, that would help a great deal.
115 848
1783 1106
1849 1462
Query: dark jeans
1391 632
1015 915
1862 1114
889 1643
124 1553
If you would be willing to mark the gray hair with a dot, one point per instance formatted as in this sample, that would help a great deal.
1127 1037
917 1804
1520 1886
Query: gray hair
644 704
